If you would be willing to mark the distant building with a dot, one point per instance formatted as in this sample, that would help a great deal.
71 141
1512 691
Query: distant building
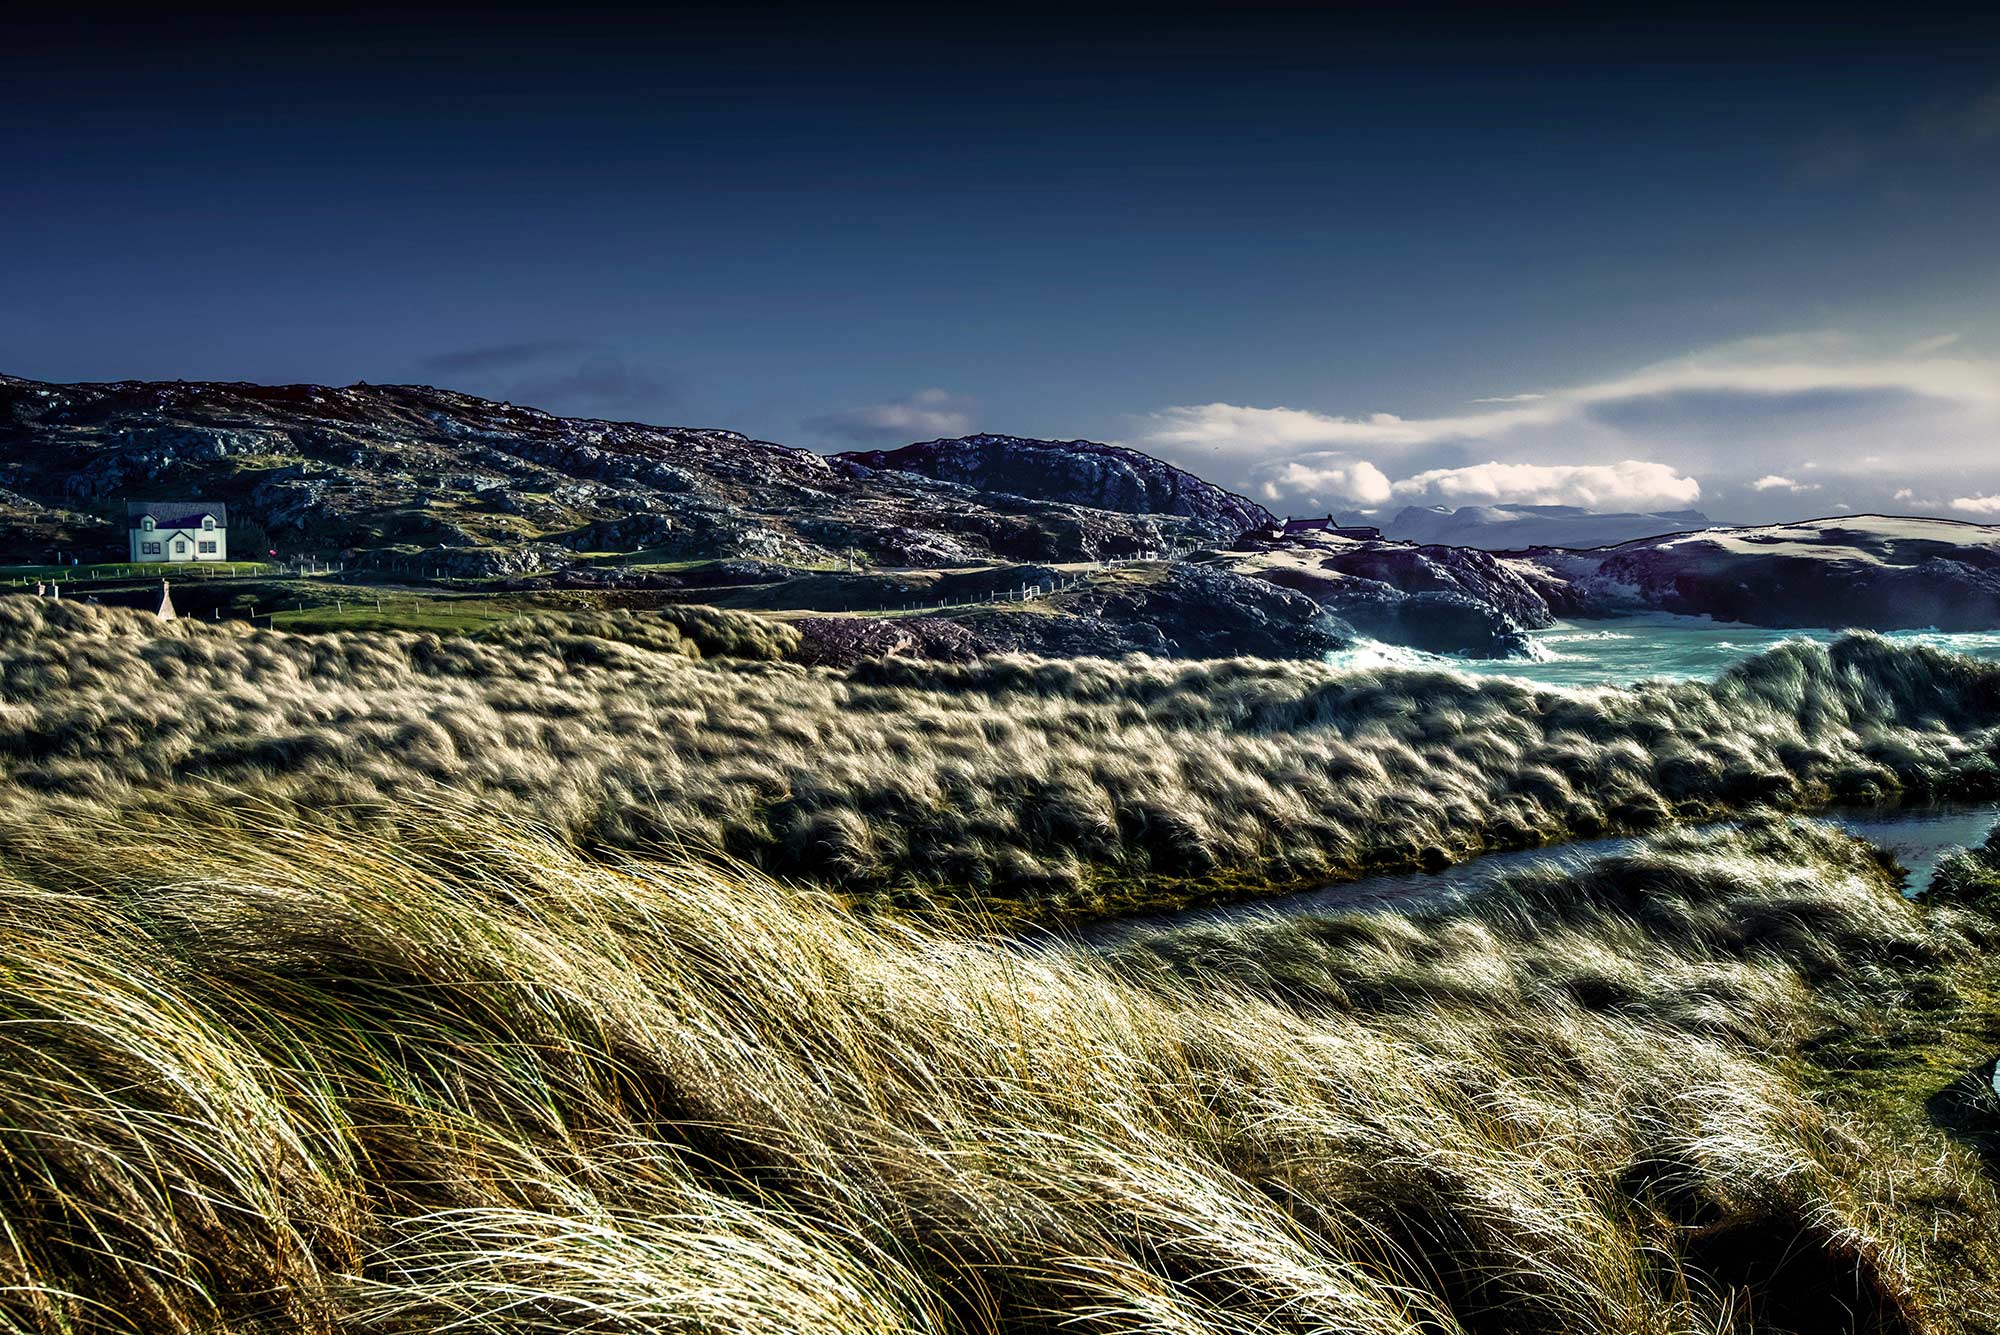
178 530
1359 532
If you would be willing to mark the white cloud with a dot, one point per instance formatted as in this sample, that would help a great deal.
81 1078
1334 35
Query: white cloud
1845 412
1630 484
1740 378
1904 494
1242 430
1977 505
929 414
1324 480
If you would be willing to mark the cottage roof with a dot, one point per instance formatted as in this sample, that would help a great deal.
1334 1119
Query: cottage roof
176 514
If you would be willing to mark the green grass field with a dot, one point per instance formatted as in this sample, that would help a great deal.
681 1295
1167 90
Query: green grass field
117 570
443 616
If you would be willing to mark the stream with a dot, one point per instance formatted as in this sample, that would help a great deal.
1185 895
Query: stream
1917 835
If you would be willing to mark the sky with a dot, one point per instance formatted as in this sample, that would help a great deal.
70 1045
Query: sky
1335 257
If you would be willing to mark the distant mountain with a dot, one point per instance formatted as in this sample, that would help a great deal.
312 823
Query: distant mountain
408 475
1073 472
1514 527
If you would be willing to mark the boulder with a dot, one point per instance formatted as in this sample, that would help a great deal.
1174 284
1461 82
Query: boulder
845 641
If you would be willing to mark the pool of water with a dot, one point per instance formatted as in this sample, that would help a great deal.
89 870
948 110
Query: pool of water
1917 835
1621 651
1612 653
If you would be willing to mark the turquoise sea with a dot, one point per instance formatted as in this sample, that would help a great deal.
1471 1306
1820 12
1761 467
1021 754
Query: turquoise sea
1615 653
1628 649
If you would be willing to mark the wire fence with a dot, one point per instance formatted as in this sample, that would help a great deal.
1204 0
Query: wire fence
52 579
29 576
1023 593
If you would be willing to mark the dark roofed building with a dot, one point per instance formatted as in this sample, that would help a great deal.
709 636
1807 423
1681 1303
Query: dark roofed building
1359 532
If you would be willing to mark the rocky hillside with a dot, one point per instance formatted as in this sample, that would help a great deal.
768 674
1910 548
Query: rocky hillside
410 477
1872 572
1881 572
1443 600
1074 472
408 480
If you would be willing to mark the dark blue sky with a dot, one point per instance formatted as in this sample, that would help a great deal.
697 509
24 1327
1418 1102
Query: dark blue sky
1730 251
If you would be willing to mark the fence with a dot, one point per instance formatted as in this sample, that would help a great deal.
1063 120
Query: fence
1030 592
28 577
1026 593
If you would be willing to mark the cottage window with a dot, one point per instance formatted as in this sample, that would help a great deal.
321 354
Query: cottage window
149 548
208 522
208 547
146 523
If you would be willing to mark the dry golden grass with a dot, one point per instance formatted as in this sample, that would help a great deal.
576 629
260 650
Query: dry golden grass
265 1076
352 983
1028 788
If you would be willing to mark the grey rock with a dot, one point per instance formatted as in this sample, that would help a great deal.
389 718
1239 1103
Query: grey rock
1872 572
1075 472
1178 611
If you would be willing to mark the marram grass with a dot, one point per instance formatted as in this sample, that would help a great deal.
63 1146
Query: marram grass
267 1076
1030 790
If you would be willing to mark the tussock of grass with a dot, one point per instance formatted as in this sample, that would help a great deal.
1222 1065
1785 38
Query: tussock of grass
265 1076
1970 876
690 632
1044 789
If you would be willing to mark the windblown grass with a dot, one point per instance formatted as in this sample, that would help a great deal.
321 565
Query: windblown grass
1030 788
264 1076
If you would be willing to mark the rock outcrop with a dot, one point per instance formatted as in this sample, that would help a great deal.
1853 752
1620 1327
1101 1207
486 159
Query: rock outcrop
1870 572
1172 611
845 641
1873 572
1443 600
1073 472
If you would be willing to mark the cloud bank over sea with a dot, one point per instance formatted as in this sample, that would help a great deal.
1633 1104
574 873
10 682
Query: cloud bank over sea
1752 429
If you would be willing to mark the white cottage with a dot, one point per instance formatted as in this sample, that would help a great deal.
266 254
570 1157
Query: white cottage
178 530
